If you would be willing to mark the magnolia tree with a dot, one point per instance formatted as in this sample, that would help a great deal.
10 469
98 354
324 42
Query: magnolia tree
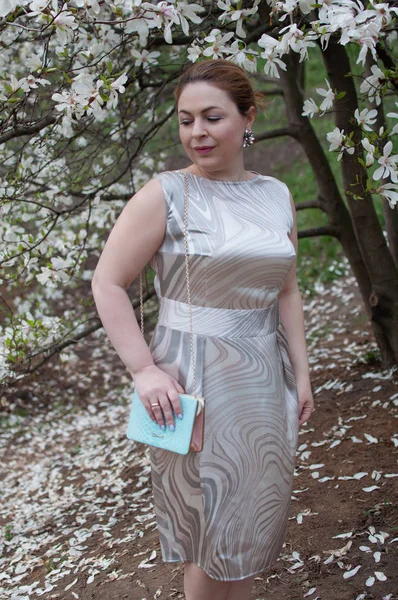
85 92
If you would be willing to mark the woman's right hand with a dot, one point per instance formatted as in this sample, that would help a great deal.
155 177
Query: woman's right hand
154 385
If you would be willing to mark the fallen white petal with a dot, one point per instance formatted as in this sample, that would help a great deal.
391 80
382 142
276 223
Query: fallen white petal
360 475
351 573
371 439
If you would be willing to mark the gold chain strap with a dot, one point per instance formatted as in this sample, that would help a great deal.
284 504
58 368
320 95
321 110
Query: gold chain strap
186 198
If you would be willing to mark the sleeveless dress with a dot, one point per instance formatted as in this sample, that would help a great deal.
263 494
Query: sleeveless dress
226 508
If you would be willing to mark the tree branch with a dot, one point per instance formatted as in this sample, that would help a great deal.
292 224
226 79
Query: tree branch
267 135
309 204
317 231
56 348
28 130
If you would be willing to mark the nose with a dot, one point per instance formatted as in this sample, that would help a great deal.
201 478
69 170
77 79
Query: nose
198 129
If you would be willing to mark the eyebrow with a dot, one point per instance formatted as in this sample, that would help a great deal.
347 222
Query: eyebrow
203 111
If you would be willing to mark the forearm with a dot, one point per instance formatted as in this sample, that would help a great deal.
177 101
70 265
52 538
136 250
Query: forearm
120 323
292 318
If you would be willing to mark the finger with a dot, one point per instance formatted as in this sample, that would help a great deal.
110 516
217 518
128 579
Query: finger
167 410
175 402
156 412
179 388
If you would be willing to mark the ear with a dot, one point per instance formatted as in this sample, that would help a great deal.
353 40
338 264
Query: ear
250 116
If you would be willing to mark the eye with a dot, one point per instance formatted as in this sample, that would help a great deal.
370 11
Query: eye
214 118
185 122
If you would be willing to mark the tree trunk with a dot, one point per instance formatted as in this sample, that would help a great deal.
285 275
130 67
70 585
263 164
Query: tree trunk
383 273
379 293
390 214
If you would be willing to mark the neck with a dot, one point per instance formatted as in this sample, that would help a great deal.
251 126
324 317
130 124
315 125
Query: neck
220 174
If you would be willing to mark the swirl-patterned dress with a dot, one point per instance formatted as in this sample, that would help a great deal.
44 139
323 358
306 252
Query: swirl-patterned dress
226 508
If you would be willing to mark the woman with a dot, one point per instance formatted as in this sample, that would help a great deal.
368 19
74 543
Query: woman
223 510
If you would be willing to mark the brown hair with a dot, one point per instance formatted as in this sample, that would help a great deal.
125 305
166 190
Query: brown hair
227 76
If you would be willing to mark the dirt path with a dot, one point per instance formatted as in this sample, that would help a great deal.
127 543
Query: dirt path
77 515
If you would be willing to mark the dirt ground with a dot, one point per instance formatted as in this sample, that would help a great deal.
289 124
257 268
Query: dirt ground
77 516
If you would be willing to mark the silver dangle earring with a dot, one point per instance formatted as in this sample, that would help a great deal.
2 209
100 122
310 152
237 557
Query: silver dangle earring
248 138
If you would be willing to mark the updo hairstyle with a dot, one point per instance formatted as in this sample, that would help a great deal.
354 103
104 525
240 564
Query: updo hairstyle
227 76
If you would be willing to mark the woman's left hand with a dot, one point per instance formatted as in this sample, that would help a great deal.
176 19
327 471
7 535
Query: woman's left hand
306 401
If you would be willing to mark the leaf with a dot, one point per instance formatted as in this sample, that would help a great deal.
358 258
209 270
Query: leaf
371 488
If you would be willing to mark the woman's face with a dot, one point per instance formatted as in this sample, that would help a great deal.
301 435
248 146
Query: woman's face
211 127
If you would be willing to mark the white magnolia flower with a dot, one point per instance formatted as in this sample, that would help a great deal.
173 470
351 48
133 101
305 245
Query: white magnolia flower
339 141
269 44
33 62
394 115
116 86
194 52
64 19
295 39
37 6
390 193
118 83
310 108
305 6
372 85
165 15
370 151
70 103
234 14
244 58
142 27
89 93
90 5
367 43
8 6
144 57
271 67
387 165
365 118
329 97
335 138
217 41
189 11
383 12
286 7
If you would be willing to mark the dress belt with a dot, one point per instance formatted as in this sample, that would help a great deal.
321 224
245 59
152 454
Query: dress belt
219 322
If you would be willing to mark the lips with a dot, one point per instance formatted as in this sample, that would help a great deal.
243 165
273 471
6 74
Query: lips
203 149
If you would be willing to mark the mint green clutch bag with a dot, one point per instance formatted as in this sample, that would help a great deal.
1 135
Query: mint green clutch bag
142 429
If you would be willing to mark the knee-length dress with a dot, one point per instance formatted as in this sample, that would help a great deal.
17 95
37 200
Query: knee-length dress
226 508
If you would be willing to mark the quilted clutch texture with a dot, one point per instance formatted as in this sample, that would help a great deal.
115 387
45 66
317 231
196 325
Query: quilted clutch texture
141 428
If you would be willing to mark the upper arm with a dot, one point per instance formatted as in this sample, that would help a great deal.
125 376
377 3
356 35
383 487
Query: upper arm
134 239
291 279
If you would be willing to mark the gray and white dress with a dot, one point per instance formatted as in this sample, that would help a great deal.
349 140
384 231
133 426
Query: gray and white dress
226 508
